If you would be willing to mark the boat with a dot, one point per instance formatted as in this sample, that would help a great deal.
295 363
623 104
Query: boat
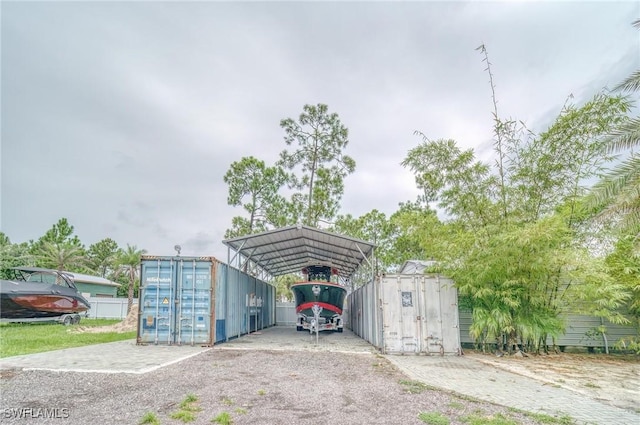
36 294
319 301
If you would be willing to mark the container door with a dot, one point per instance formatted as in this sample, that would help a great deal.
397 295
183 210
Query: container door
400 314
440 329
157 306
411 316
450 316
390 317
432 323
193 303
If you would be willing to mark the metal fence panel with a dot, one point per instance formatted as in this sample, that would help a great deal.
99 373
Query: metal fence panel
580 331
286 314
466 319
108 308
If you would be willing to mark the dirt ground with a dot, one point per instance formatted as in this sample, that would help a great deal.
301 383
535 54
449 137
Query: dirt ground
129 324
613 379
249 387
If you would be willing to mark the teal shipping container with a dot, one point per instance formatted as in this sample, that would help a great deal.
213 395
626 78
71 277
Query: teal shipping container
175 300
244 304
199 301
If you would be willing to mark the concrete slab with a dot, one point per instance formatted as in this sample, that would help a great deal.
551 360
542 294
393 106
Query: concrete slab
113 357
285 338
469 377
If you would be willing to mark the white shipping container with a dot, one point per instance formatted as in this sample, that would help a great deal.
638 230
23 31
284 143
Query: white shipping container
419 315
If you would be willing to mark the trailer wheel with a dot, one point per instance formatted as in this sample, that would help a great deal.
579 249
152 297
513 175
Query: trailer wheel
75 320
299 328
67 320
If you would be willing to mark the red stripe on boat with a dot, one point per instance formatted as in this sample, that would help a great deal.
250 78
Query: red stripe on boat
326 306
49 303
319 282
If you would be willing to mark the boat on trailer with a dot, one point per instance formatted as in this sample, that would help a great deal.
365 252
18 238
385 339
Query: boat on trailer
41 295
319 301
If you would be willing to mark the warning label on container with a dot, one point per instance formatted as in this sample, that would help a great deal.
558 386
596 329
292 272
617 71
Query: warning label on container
165 300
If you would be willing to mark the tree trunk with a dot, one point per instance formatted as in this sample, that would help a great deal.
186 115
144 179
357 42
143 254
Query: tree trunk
130 295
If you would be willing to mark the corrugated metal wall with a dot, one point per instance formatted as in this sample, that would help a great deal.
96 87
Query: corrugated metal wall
579 328
579 331
249 304
187 300
416 314
465 319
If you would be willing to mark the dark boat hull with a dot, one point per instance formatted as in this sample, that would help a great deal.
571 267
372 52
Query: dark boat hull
27 300
329 296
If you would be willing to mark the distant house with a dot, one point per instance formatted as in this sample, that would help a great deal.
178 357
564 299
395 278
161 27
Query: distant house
95 286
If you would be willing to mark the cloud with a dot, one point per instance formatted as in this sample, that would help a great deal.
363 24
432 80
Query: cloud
123 117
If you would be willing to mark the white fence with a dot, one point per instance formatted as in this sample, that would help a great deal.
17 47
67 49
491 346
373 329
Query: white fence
116 308
108 308
286 314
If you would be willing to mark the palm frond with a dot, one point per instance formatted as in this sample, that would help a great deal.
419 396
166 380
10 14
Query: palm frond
625 136
626 174
619 194
626 217
631 83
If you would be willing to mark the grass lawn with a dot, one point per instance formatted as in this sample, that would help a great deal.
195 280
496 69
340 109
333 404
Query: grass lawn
26 338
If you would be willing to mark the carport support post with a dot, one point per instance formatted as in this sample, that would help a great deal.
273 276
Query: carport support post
316 319
227 316
378 313
239 305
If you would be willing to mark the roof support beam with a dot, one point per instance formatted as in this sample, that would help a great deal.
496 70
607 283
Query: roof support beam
238 250
292 248
247 259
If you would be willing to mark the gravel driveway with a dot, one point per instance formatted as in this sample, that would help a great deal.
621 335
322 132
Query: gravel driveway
251 386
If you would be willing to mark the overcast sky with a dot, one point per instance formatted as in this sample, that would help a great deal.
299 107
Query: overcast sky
124 117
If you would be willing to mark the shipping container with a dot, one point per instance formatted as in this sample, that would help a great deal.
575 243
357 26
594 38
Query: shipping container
407 314
248 304
199 300
362 313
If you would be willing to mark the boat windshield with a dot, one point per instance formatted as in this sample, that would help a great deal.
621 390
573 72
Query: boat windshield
49 278
318 273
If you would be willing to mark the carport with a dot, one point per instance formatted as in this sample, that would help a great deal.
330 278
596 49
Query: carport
289 249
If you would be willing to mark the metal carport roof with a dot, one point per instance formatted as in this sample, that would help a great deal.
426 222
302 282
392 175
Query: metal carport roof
290 249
